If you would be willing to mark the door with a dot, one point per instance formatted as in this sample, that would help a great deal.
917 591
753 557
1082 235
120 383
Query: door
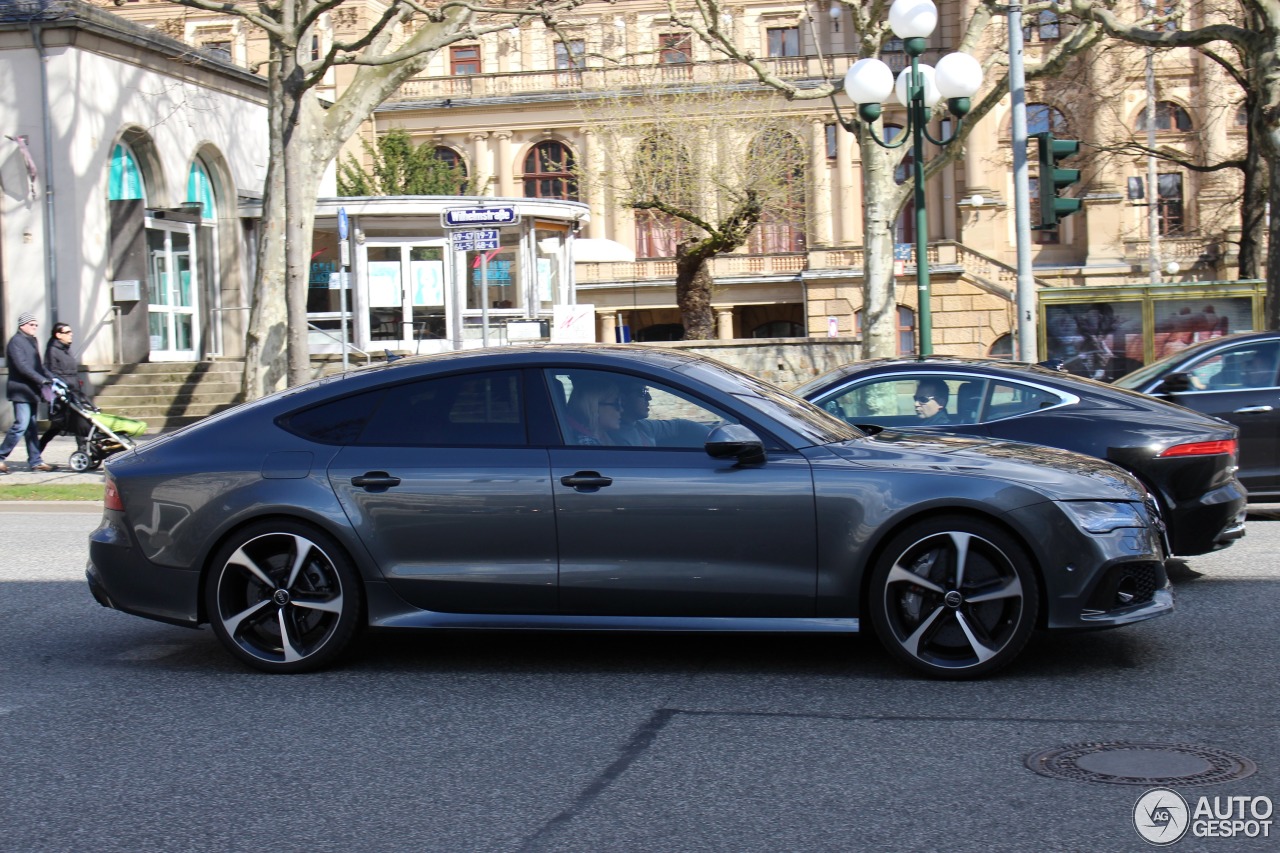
407 283
656 527
450 501
172 291
1240 385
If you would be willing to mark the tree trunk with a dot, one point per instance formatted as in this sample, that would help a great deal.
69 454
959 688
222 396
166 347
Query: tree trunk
693 295
879 302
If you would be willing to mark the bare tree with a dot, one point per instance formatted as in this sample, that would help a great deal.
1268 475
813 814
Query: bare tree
706 169
393 43
1251 30
984 37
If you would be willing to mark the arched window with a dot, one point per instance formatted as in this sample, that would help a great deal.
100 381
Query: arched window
1002 348
200 189
548 172
453 160
1169 117
780 156
126 177
664 172
1242 116
906 329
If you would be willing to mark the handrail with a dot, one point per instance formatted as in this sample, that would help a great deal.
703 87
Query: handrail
368 359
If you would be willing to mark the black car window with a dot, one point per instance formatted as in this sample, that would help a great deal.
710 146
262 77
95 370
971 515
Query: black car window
1244 367
467 410
891 401
1013 398
338 421
603 408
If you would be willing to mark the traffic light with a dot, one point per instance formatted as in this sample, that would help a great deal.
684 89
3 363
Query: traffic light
1053 179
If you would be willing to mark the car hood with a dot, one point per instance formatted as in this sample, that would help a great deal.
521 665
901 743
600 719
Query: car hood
1058 474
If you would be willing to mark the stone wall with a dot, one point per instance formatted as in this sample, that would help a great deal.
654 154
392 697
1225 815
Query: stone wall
786 362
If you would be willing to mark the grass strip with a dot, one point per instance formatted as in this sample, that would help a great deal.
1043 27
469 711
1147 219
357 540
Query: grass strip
51 492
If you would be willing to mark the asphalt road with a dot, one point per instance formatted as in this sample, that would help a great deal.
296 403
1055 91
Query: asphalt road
119 734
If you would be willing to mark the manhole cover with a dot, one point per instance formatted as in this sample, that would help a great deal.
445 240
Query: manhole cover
1122 763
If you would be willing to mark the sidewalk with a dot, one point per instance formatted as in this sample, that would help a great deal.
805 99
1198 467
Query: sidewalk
57 453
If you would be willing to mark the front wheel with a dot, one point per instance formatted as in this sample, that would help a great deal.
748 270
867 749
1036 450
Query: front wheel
283 597
79 462
954 597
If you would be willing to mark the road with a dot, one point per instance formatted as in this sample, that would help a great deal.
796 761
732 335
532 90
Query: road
120 734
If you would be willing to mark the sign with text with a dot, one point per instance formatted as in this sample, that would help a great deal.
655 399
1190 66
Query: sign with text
470 217
486 239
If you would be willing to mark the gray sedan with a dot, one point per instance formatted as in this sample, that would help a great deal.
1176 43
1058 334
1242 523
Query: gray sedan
610 488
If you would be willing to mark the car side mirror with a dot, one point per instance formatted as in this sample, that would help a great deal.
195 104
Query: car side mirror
1174 383
735 441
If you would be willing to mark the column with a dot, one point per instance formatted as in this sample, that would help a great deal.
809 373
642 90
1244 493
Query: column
503 169
608 322
848 194
483 175
821 184
591 156
724 324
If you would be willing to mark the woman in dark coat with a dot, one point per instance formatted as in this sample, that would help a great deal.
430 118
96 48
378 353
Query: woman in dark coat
59 361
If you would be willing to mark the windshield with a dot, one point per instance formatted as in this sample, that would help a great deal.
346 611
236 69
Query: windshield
1143 375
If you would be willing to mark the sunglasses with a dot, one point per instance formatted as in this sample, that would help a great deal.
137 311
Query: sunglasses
63 332
923 398
614 403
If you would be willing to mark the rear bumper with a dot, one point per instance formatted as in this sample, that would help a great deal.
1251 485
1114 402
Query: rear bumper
1209 522
121 578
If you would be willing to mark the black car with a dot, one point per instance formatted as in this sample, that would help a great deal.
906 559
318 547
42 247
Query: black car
610 488
1234 378
1186 460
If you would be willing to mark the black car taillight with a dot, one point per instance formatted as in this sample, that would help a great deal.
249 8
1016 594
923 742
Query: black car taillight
111 496
1201 448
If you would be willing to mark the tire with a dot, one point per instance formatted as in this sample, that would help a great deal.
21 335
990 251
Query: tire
945 628
79 462
283 579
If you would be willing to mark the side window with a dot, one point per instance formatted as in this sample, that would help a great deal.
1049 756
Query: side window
1249 366
605 409
473 410
1010 398
337 422
892 402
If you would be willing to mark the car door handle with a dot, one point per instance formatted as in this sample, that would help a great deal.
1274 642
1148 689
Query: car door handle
586 480
1252 410
375 480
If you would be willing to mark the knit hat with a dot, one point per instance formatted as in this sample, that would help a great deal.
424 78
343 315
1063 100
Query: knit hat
25 318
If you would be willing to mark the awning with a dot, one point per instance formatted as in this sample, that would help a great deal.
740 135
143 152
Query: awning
588 250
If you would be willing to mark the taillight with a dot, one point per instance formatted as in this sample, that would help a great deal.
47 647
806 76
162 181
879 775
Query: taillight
1201 448
111 496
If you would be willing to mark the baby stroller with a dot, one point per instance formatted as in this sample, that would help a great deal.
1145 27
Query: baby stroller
98 434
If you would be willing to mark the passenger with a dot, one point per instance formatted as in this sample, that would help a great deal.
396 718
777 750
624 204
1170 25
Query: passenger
594 410
931 402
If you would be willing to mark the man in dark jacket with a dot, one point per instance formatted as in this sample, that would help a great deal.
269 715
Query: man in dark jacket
59 361
27 376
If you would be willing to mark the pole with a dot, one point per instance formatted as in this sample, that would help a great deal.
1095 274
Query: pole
342 300
916 119
484 297
1025 296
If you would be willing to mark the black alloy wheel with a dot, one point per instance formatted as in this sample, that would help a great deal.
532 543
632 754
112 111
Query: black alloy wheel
283 597
954 597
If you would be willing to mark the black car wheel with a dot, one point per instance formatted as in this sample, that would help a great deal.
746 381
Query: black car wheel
283 597
954 597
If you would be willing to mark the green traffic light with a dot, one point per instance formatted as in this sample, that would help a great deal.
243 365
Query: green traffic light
1053 179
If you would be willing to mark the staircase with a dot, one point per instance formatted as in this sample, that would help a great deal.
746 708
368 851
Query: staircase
168 395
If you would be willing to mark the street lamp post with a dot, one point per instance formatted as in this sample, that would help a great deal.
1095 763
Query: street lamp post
869 82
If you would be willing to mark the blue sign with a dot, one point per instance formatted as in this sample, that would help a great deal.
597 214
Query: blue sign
472 217
902 251
342 223
467 241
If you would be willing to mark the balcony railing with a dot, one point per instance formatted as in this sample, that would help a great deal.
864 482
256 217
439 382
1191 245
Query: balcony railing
625 76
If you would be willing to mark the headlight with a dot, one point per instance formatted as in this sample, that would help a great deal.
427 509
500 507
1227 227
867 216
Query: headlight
1103 516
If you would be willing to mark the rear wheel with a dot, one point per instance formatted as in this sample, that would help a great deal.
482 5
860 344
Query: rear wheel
283 597
79 461
954 597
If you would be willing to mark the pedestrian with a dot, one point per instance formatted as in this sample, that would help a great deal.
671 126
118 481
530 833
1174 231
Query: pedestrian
27 380
59 361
